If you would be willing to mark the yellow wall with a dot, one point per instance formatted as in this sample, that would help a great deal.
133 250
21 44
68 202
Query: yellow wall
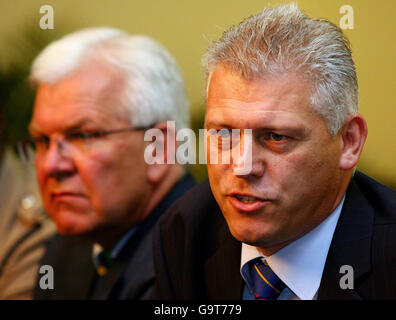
186 26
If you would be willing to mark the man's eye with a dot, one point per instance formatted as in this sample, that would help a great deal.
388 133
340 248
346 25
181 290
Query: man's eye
275 137
84 135
224 133
220 134
41 141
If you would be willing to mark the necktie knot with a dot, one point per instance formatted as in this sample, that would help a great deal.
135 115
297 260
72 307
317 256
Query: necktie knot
266 284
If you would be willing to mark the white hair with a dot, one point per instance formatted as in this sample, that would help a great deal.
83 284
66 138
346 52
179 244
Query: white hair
283 40
153 91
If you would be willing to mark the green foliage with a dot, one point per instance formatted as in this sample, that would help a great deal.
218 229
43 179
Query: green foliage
16 94
17 99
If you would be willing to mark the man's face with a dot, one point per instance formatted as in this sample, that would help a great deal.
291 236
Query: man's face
295 177
96 188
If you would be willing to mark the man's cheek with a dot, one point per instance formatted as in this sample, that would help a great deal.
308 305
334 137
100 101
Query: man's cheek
40 176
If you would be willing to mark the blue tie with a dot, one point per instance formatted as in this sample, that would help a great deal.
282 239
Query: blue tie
266 284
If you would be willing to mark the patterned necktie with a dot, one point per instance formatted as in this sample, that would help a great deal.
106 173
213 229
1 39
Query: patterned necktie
104 260
267 285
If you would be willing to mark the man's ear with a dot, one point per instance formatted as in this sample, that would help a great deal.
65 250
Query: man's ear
353 134
156 172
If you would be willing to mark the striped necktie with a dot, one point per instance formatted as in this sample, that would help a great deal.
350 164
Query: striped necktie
266 284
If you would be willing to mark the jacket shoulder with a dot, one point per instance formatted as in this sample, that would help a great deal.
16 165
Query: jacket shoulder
70 258
383 201
380 197
186 235
196 207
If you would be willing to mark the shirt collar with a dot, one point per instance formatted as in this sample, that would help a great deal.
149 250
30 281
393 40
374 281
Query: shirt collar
97 248
185 183
300 264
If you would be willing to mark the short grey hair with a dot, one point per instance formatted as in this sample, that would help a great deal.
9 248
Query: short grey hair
154 90
283 40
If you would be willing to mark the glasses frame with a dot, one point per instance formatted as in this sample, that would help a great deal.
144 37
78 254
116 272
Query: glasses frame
24 143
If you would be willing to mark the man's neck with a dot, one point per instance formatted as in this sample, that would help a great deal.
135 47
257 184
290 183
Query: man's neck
162 189
109 238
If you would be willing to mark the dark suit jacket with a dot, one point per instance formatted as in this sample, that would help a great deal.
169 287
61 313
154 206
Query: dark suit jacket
196 256
131 276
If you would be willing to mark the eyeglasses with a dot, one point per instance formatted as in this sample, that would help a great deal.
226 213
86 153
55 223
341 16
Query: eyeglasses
82 141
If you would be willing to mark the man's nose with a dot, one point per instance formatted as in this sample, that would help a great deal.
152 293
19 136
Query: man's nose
57 163
246 160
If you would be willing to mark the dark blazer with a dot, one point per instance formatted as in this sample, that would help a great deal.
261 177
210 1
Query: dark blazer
196 256
131 275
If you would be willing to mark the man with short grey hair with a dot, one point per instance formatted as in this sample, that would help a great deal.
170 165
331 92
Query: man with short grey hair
301 224
98 91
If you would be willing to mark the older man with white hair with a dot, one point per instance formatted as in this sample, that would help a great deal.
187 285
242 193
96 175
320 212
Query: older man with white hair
98 90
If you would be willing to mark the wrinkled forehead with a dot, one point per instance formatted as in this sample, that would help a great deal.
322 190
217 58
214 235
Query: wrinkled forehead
85 97
269 102
253 117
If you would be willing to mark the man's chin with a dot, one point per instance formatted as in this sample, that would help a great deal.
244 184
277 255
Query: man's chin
69 230
246 236
253 237
71 224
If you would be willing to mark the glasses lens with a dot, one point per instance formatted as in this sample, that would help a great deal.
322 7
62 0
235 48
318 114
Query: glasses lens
27 150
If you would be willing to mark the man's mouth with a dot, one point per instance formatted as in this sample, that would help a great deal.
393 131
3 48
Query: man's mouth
246 199
247 203
64 195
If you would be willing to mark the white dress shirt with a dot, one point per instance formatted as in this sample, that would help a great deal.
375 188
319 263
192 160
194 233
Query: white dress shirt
300 264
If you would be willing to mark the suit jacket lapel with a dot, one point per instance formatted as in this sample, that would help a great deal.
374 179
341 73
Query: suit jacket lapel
106 284
223 280
351 246
139 273
74 271
107 287
111 286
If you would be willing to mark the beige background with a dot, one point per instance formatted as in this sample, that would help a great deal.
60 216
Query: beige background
185 27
